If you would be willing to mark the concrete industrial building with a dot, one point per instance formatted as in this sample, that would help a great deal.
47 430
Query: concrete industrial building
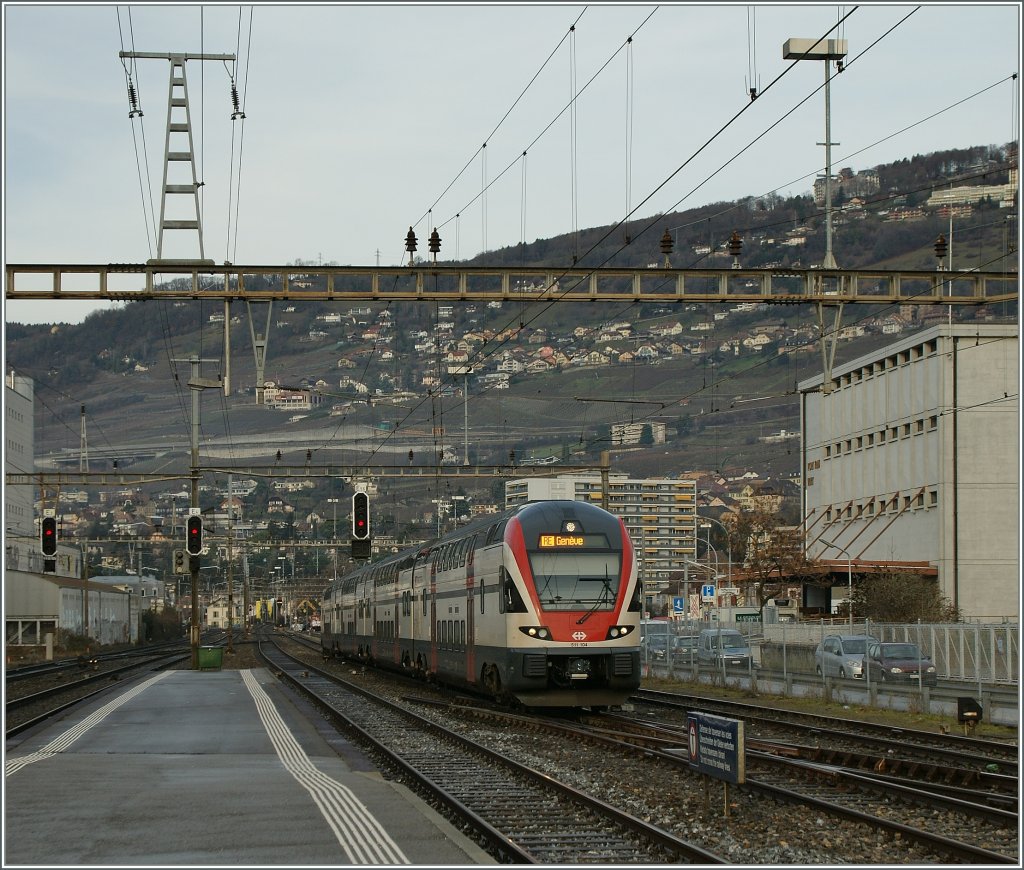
913 458
660 513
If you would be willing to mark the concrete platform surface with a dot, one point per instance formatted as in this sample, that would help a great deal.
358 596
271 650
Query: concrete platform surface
210 768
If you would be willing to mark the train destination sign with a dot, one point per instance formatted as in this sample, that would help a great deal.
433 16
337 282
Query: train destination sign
571 542
716 746
548 541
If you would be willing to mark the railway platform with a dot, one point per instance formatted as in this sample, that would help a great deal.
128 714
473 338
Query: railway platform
202 768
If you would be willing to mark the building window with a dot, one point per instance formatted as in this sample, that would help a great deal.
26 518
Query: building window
920 500
906 430
894 432
933 422
933 498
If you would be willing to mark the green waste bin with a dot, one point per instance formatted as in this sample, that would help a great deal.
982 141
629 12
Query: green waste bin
211 658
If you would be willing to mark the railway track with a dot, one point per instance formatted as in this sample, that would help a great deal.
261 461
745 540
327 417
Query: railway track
40 698
523 816
847 815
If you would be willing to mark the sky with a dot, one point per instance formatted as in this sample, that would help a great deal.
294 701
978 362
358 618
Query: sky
364 120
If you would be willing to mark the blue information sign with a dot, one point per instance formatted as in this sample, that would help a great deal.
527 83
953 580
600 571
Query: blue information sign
716 746
679 605
707 592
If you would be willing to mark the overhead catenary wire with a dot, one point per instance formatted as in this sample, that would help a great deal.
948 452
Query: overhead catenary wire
566 108
133 82
498 126
494 350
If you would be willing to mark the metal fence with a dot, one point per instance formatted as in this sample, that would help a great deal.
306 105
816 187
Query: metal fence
969 652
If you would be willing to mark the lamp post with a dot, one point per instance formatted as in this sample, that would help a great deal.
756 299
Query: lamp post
334 534
849 575
728 540
827 50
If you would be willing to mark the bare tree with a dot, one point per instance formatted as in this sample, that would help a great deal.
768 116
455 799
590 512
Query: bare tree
771 554
901 597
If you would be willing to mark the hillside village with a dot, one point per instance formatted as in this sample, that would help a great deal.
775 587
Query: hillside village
138 520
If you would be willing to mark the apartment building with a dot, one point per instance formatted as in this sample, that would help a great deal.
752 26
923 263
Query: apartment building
659 513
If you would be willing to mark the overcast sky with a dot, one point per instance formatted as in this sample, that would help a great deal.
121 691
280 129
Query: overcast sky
364 120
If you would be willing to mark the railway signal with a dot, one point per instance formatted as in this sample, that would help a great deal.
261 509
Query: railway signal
48 536
360 516
194 535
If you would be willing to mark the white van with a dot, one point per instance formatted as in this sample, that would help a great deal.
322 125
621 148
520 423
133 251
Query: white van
717 646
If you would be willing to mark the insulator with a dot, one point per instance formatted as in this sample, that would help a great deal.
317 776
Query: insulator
941 247
666 243
236 110
410 241
735 244
133 101
435 243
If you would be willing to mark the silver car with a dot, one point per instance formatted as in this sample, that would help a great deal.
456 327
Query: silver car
841 655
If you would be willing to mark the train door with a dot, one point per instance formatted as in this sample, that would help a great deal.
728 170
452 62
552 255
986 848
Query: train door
434 639
396 637
470 618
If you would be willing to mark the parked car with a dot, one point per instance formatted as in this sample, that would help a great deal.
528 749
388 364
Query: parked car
655 645
842 655
684 647
716 646
901 663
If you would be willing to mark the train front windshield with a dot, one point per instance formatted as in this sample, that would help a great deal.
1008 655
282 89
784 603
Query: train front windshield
576 581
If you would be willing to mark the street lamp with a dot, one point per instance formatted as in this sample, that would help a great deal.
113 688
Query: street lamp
849 575
827 50
728 540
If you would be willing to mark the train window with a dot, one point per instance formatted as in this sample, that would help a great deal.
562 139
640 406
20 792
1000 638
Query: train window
490 534
511 600
569 581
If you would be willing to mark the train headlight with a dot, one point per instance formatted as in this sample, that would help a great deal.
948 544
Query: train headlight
619 631
538 631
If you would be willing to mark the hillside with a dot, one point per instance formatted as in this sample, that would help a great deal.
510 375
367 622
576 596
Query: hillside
372 366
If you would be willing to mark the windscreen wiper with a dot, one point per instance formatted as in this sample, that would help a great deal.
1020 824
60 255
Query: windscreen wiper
604 597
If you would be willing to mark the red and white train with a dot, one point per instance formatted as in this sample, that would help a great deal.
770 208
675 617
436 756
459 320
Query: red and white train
541 603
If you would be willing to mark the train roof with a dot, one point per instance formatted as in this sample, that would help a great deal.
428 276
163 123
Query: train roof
534 512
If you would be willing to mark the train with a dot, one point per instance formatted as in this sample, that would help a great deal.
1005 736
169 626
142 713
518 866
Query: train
539 604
